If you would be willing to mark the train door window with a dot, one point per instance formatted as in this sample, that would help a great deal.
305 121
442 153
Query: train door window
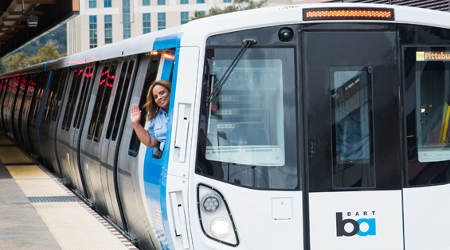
51 96
87 75
352 126
247 124
60 84
76 78
53 91
42 78
427 109
152 71
119 101
105 85
1 88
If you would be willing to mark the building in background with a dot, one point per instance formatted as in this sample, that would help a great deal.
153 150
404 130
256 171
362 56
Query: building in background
106 21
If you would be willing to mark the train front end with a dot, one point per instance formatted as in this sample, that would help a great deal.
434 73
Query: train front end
312 127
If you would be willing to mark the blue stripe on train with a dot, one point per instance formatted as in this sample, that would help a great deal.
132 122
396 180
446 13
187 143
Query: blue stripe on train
155 171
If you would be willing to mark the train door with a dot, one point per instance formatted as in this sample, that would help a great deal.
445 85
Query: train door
70 123
115 115
28 99
352 84
427 114
18 108
129 162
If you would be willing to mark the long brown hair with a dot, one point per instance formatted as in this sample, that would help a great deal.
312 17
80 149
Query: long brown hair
150 104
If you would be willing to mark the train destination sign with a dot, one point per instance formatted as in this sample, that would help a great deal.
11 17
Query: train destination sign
426 56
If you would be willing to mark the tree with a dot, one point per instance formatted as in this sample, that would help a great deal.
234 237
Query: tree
236 6
46 53
21 60
17 61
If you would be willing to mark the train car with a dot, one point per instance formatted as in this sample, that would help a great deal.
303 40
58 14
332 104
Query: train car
291 127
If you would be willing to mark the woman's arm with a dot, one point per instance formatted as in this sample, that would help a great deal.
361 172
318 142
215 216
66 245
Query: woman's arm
140 131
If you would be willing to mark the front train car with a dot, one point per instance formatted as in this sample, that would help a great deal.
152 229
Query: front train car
312 127
293 127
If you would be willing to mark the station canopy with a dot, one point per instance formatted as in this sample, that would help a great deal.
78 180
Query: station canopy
23 20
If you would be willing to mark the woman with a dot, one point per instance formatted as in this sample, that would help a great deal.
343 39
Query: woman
157 107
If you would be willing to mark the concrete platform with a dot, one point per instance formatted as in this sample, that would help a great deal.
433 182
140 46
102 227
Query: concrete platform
38 212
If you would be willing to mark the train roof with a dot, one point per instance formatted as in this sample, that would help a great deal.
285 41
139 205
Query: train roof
195 33
290 14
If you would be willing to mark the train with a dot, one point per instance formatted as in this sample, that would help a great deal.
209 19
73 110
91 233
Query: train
309 126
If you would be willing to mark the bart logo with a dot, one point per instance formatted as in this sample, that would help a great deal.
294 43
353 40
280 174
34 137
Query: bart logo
361 227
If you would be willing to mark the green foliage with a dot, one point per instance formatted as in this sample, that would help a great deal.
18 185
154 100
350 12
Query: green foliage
53 45
21 60
46 53
57 37
18 61
236 6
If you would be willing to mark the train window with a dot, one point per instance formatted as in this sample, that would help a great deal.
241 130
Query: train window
43 77
427 100
1 87
352 127
51 106
60 84
246 128
85 84
73 93
105 85
152 71
119 101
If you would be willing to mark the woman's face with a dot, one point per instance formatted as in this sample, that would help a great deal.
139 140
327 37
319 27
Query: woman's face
161 96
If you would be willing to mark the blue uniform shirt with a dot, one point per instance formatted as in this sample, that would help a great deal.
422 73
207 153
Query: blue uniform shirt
158 127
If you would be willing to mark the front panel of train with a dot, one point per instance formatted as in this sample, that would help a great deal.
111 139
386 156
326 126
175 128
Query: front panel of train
302 139
247 178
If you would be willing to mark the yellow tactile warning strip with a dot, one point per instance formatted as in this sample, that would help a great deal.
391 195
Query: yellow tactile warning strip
13 155
72 223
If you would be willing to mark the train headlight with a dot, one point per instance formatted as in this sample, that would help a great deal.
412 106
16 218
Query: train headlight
220 227
215 217
211 204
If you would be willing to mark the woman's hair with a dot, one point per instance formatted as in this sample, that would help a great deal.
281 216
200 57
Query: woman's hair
150 104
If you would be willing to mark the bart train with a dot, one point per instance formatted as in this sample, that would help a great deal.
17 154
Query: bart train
290 127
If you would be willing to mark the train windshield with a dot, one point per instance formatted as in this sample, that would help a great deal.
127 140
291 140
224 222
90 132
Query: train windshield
244 126
247 130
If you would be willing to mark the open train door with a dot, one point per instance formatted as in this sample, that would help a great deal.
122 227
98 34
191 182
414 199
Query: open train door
353 187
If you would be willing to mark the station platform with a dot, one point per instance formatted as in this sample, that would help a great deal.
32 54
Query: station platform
38 212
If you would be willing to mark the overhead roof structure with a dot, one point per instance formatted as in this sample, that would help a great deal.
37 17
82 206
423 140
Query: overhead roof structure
23 20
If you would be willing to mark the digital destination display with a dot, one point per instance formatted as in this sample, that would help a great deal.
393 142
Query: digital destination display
427 56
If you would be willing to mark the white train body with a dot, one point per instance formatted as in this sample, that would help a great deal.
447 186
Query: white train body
329 131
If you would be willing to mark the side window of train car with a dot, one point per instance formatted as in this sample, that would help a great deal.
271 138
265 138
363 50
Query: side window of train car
2 82
51 96
85 82
427 110
42 80
152 72
105 85
119 100
57 100
73 92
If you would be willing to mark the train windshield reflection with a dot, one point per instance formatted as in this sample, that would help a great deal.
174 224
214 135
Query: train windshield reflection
245 124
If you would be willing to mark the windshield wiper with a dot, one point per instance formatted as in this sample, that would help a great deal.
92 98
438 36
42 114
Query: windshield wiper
246 43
